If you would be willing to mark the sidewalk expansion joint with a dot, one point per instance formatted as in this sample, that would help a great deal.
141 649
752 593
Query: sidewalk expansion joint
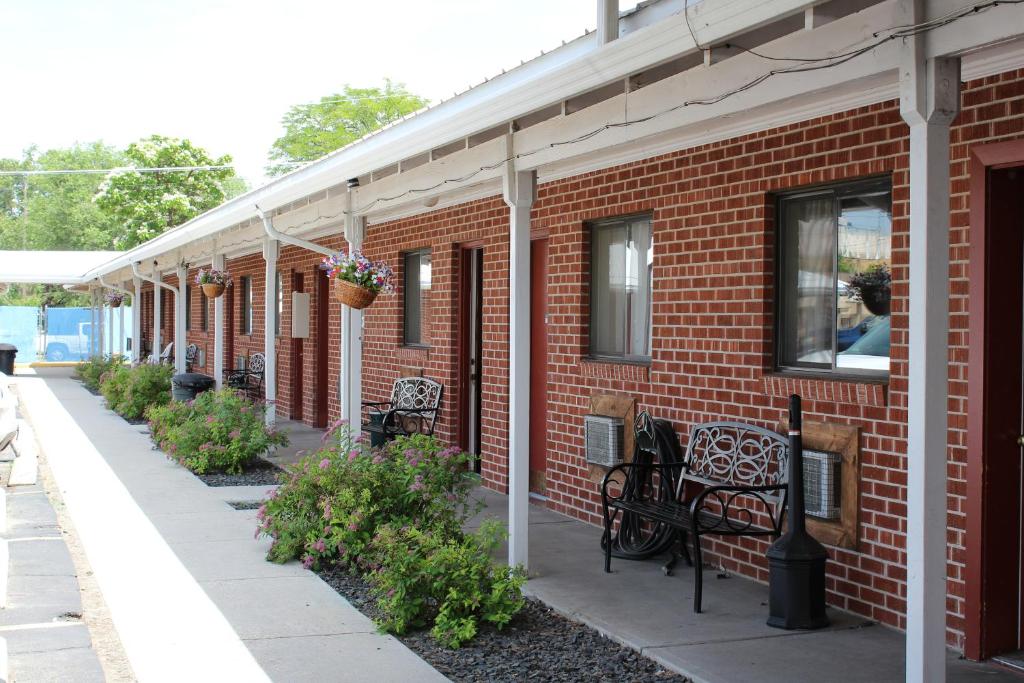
40 625
767 636
317 635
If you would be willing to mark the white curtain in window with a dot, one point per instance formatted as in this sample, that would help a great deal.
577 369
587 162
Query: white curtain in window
809 242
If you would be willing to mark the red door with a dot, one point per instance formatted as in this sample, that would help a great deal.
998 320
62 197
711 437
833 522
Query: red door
323 311
298 358
538 365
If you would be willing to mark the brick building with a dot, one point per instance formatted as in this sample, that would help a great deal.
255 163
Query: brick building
570 238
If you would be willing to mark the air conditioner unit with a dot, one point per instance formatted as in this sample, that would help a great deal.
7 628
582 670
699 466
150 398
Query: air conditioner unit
822 483
603 435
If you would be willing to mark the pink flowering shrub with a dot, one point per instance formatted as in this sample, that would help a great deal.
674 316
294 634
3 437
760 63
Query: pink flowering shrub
348 503
220 431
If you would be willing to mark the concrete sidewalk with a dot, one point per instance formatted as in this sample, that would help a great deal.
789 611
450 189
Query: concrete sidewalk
188 588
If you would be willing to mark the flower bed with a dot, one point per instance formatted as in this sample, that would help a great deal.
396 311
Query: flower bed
219 431
394 516
131 391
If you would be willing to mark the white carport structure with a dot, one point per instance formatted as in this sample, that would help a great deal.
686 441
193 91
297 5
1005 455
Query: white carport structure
68 268
661 80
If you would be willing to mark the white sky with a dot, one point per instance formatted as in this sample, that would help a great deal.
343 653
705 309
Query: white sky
222 72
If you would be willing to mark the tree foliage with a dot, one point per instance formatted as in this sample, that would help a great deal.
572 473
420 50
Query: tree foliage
313 130
147 204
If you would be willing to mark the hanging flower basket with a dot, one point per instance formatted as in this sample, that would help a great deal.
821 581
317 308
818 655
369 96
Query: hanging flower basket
213 282
873 288
352 295
114 299
357 279
212 290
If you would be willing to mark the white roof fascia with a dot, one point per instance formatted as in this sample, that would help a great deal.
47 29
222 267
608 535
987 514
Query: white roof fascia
576 68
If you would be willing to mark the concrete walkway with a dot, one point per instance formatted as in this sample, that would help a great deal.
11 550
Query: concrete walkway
729 642
188 588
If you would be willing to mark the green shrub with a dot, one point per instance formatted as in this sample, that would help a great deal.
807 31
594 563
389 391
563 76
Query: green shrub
219 431
395 515
423 577
91 371
130 391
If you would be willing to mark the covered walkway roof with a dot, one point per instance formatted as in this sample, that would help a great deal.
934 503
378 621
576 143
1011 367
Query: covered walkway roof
51 267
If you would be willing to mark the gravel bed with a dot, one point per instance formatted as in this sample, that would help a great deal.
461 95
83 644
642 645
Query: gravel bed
246 505
260 473
538 645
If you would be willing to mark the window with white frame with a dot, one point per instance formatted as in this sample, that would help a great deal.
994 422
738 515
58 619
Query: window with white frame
833 289
416 293
621 266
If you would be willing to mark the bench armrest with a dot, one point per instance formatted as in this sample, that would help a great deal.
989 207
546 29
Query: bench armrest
742 518
633 480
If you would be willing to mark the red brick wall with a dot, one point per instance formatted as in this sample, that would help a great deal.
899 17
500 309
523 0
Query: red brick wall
712 212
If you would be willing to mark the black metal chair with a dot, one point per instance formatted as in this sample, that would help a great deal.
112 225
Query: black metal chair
413 408
250 378
191 353
737 487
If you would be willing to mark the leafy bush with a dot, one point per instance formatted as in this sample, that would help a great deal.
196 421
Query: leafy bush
219 431
395 515
130 391
422 576
91 371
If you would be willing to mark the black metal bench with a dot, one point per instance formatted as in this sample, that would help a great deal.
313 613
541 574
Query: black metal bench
731 482
250 378
191 354
413 408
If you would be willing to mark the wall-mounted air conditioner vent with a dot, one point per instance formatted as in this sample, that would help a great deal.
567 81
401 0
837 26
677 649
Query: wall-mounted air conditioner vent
822 483
604 439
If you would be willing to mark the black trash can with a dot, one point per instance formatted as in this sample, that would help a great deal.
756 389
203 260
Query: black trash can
188 385
7 354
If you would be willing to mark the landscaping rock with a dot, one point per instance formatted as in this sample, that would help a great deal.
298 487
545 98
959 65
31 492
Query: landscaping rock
538 645
260 473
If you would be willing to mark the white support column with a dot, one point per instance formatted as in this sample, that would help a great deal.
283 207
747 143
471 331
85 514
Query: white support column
352 336
270 248
158 295
100 347
93 324
929 100
607 21
180 340
137 320
120 337
218 328
110 330
519 192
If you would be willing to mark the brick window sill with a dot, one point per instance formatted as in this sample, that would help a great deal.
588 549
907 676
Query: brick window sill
858 392
612 369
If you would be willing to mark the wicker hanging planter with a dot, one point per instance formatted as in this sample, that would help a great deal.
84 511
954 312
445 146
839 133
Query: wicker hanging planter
212 290
116 303
352 295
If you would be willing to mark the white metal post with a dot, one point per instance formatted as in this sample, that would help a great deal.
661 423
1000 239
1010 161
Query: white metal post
137 320
218 328
110 330
99 322
120 337
607 21
929 100
519 192
92 323
180 341
158 295
270 248
352 335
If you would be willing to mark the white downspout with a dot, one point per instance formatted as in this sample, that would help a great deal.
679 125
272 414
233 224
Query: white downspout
608 21
270 249
519 193
157 283
137 320
180 318
929 100
218 326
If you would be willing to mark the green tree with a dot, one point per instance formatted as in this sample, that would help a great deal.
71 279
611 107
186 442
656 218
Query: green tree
147 203
313 130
